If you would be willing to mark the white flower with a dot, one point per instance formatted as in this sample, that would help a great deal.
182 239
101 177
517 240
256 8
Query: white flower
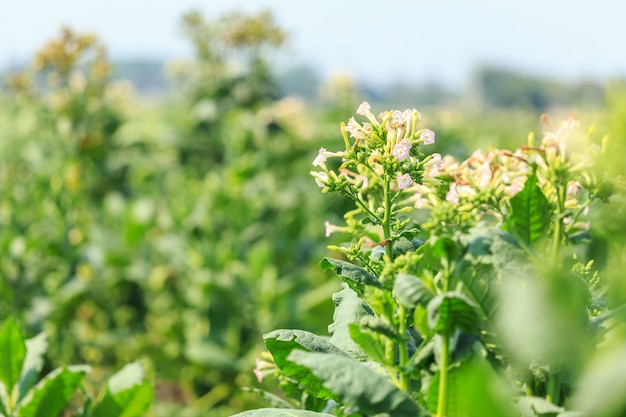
321 178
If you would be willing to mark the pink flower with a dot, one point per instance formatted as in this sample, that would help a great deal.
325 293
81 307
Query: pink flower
320 158
405 181
401 151
262 369
364 109
428 137
573 188
328 228
452 196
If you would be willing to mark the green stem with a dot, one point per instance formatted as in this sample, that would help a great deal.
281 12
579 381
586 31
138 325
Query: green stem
554 388
387 218
404 349
558 227
361 204
442 400
402 346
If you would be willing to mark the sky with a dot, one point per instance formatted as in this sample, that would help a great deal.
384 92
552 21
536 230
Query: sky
376 41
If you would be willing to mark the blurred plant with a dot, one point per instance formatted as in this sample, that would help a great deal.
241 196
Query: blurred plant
70 84
430 326
24 394
230 73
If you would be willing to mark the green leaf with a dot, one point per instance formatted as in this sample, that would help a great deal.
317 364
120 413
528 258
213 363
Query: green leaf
367 342
52 394
129 402
355 276
600 389
35 350
273 400
449 311
280 412
411 291
126 394
280 343
537 406
432 398
474 389
357 385
530 213
13 353
349 308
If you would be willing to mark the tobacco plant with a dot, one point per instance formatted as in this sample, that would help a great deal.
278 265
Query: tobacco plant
468 290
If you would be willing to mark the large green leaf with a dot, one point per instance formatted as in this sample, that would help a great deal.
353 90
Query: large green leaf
280 343
12 354
50 396
411 291
355 276
349 308
35 350
355 384
280 412
451 310
530 214
127 394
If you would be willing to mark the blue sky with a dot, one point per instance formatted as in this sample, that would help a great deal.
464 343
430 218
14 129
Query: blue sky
377 41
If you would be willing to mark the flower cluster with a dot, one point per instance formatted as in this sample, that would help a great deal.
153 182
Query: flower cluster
388 145
486 181
382 157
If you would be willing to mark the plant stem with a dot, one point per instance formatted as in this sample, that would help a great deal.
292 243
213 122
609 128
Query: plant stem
442 399
402 346
558 227
387 218
404 349
554 388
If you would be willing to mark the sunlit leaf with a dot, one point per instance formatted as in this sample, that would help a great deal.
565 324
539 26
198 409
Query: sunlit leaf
530 213
35 351
52 394
12 353
280 343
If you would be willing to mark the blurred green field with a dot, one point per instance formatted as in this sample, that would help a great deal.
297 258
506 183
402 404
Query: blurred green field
177 230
